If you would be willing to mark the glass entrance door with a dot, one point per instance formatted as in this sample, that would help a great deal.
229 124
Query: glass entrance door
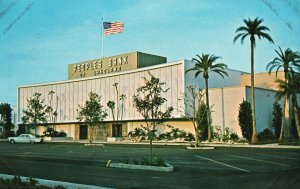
83 132
116 130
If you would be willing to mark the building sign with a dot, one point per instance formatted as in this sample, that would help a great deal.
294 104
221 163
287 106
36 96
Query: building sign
102 66
113 64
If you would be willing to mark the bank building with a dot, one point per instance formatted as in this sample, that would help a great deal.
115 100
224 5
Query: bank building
127 70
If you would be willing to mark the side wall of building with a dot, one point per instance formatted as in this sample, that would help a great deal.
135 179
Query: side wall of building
263 80
225 107
264 100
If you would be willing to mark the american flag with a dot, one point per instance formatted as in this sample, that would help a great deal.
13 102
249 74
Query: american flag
112 27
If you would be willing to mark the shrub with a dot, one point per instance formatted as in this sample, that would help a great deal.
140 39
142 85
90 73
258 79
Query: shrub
175 133
16 182
202 121
277 118
234 137
217 133
226 135
229 136
157 161
62 134
50 132
189 137
136 133
245 119
265 135
21 130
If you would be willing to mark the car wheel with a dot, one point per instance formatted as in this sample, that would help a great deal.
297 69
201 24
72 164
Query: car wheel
12 141
32 142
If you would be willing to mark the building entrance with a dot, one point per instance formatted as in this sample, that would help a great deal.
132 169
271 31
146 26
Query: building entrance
116 130
83 132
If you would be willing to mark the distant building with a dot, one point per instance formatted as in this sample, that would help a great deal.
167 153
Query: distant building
128 70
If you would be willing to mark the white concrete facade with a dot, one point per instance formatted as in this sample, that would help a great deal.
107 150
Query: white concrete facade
225 96
226 101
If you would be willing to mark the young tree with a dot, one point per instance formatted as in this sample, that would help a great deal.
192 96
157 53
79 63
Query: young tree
148 102
92 113
245 120
193 98
277 118
252 28
50 111
205 64
6 118
35 113
117 112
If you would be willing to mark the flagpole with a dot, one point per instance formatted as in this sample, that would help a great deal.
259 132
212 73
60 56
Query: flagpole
102 36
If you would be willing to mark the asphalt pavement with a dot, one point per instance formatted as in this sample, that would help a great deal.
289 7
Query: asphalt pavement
222 167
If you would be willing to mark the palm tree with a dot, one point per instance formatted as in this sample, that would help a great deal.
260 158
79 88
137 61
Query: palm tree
203 65
252 28
288 60
290 88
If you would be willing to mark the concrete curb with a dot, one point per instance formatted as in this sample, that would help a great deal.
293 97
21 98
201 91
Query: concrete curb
200 148
276 146
52 183
210 145
169 167
98 145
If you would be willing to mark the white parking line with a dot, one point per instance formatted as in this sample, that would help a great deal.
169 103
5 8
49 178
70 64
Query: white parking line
227 165
270 162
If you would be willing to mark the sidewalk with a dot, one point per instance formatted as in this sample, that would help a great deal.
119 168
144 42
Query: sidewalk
167 143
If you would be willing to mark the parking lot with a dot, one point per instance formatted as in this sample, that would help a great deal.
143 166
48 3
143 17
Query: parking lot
219 168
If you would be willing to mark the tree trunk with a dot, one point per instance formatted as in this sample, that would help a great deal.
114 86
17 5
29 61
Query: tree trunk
287 117
91 134
283 120
254 136
208 111
296 115
196 136
151 150
195 124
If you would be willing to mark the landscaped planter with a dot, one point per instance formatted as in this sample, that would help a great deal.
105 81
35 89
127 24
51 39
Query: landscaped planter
167 168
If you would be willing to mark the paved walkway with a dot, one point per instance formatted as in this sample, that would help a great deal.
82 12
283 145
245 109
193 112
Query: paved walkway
166 143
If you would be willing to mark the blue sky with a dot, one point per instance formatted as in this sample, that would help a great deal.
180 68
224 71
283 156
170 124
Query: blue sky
39 38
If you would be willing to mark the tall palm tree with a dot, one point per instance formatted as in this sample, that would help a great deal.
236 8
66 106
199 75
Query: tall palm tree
290 88
253 28
290 61
203 65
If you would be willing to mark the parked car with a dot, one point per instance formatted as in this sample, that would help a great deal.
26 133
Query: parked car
25 138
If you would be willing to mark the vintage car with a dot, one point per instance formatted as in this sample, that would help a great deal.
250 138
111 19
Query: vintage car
25 138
